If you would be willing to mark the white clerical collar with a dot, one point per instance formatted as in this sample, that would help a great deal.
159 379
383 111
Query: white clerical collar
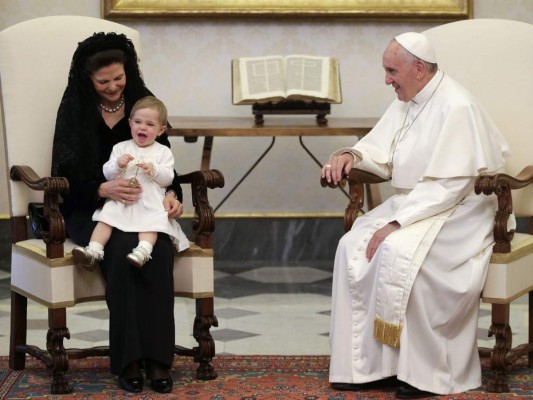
427 91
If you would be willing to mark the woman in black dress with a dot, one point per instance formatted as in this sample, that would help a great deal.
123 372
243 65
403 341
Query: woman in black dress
104 82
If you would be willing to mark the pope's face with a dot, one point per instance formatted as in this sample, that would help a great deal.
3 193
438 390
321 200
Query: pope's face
109 83
400 72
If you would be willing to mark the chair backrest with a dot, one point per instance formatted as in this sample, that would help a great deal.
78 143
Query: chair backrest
35 58
493 59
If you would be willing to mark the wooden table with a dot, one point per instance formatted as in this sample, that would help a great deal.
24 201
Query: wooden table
193 127
209 127
273 126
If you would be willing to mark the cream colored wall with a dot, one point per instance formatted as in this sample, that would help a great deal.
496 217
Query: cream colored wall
187 64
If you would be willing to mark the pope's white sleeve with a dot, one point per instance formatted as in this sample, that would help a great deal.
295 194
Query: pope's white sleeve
431 197
362 160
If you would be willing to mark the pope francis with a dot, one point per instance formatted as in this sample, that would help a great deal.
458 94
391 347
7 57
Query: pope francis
409 274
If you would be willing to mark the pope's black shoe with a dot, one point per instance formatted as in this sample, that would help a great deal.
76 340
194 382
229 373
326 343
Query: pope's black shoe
349 386
406 391
355 387
134 385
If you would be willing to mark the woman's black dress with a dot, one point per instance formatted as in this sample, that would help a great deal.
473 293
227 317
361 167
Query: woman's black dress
140 302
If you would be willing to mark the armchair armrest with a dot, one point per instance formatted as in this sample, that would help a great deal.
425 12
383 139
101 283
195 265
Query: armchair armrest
357 179
502 185
204 219
52 187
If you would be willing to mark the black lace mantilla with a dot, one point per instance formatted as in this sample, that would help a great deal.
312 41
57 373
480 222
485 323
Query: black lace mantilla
75 142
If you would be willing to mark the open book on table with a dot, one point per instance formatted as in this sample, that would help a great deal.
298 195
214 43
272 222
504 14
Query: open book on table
277 78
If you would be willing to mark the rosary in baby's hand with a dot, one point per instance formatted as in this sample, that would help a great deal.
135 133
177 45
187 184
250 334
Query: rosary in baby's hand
134 181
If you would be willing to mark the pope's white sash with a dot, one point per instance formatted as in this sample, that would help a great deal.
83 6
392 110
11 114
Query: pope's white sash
400 259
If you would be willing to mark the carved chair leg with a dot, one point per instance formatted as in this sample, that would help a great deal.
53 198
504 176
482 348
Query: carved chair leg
57 322
205 351
19 319
530 330
501 329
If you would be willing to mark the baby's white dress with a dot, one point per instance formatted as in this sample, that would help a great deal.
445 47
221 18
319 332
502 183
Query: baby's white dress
148 213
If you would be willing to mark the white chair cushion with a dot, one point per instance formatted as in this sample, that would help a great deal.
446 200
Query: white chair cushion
510 275
58 283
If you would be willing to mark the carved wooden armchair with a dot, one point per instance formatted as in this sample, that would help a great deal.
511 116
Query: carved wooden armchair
495 68
34 61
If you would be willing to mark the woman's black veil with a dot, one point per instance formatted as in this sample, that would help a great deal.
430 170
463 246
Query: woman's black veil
75 150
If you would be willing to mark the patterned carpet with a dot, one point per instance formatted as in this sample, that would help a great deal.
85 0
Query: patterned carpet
240 377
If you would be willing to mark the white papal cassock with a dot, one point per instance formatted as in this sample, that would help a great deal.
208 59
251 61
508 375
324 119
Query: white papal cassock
426 277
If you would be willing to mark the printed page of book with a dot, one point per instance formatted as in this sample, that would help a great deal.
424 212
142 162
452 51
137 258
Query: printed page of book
313 77
258 79
335 93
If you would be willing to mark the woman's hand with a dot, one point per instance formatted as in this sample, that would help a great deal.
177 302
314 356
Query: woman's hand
172 205
337 167
120 190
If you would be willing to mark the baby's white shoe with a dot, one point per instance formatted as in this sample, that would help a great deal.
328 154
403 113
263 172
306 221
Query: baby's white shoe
86 257
139 256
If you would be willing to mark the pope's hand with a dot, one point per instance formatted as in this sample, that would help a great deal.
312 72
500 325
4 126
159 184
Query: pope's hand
379 236
337 167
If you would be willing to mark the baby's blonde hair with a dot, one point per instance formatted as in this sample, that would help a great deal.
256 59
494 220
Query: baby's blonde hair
153 103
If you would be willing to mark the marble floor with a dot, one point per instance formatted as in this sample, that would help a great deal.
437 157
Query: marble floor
261 309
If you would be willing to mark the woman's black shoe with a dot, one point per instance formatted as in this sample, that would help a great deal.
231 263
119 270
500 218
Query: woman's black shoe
163 385
160 379
134 385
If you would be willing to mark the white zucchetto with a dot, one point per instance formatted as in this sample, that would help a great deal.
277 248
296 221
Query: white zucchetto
418 45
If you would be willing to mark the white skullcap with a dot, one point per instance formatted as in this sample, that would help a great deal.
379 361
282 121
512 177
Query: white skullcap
418 45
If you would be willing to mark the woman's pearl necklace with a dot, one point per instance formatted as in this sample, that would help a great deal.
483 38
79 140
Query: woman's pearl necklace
114 109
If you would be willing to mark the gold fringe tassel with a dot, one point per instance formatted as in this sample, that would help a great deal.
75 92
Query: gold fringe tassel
387 333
